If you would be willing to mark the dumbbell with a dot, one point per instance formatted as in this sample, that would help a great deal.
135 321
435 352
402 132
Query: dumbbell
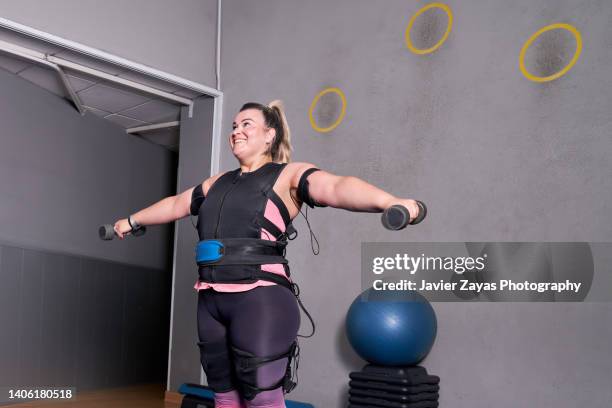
397 217
107 232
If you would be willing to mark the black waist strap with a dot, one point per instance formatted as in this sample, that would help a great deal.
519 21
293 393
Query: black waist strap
241 251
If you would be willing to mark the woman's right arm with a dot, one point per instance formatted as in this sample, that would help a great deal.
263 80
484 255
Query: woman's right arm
167 210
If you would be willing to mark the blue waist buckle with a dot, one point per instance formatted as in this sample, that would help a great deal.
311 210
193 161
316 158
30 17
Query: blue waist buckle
209 251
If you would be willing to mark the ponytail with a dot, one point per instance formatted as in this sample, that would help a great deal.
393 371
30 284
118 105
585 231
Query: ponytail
281 146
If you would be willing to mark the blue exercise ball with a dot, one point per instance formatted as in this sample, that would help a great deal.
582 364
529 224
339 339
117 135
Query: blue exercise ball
391 328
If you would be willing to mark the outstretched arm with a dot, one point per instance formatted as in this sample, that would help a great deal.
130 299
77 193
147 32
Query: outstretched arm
350 193
166 210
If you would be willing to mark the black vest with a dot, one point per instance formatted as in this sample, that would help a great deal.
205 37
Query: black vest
234 208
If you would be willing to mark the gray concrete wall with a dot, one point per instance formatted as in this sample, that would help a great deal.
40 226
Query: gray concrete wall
77 311
178 37
495 156
194 168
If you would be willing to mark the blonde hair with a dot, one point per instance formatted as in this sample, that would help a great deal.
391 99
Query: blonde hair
281 151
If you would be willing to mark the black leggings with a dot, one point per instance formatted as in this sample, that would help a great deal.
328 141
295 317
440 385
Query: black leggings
263 321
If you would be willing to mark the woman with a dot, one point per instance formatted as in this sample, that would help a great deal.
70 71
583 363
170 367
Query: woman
247 319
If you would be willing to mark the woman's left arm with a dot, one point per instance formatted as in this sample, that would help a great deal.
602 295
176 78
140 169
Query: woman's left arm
349 193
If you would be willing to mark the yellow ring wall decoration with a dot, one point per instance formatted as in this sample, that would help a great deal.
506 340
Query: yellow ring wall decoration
423 51
530 41
334 125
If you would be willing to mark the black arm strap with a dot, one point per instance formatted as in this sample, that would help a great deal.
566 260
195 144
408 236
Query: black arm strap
302 190
197 198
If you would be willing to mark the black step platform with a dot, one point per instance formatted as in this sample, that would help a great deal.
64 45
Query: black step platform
422 404
403 372
413 380
393 387
423 396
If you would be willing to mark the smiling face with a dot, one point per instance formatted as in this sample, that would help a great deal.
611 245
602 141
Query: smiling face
250 136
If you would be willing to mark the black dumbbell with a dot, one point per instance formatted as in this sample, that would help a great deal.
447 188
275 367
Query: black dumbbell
107 232
397 216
